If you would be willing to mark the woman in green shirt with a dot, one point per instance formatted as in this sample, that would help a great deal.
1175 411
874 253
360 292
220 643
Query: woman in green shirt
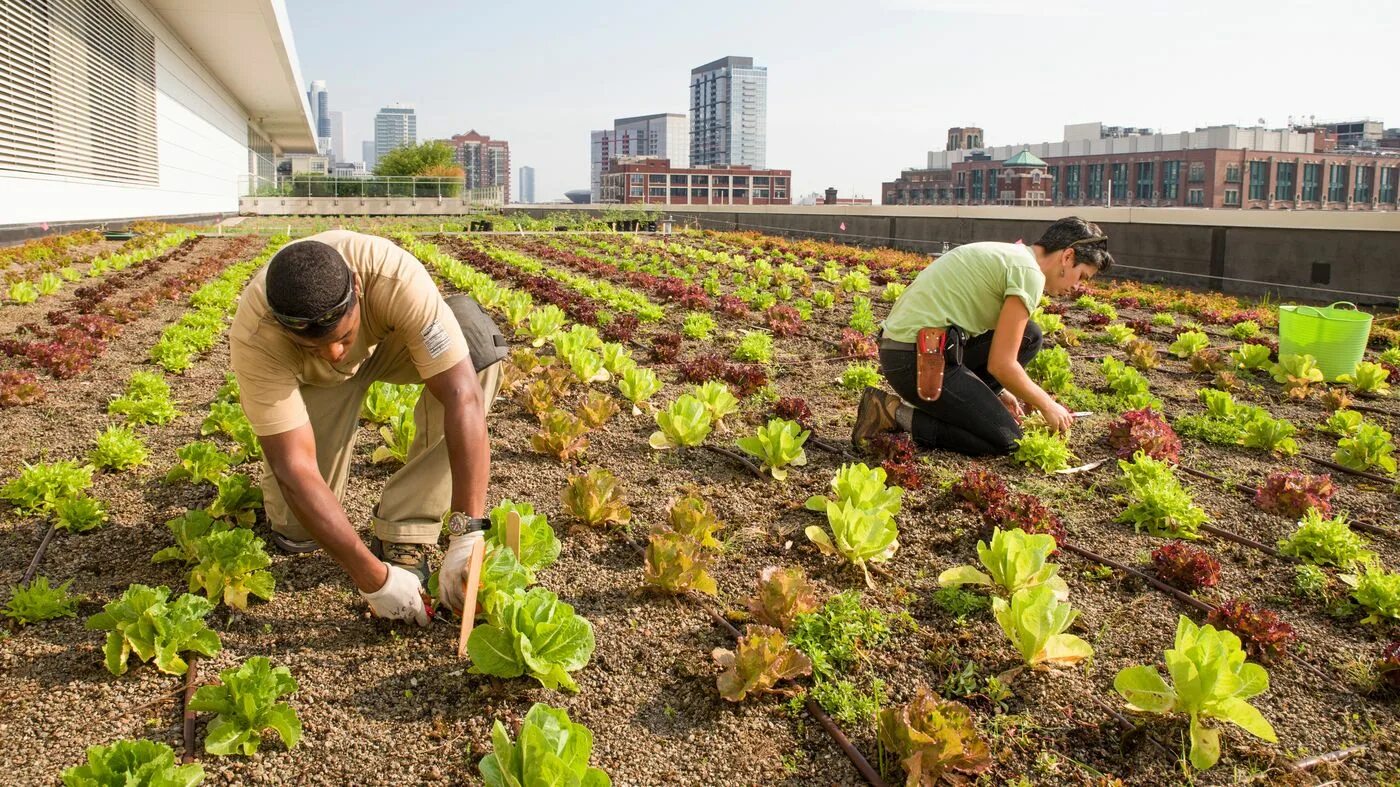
986 292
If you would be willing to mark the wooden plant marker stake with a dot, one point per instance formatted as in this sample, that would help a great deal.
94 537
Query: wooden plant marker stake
513 533
470 586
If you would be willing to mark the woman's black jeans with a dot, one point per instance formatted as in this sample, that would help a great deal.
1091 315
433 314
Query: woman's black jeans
968 417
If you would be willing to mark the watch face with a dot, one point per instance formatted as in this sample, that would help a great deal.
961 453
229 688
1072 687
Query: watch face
458 524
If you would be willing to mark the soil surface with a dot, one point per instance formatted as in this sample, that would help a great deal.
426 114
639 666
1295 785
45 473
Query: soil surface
391 704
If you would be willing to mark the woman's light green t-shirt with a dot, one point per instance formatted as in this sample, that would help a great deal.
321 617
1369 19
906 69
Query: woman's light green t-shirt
966 287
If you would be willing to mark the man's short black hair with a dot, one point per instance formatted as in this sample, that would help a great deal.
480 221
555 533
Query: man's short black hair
1090 243
306 279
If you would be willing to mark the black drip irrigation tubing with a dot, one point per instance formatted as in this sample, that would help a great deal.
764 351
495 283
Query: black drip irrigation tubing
828 725
1343 469
38 555
1187 599
191 681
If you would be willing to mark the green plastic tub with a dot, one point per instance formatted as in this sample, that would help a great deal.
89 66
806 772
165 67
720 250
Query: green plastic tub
1335 335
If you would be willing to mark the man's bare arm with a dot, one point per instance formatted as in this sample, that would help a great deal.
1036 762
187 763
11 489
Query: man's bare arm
464 428
292 456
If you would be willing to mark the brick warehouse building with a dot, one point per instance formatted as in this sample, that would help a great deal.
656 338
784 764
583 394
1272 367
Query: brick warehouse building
1209 177
485 161
650 181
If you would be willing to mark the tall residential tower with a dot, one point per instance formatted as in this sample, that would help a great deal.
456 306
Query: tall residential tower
527 184
320 103
395 126
729 113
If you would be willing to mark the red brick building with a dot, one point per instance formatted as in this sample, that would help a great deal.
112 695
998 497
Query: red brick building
485 161
1206 178
655 182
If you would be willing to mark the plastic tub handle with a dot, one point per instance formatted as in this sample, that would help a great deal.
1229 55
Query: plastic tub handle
1311 311
1343 303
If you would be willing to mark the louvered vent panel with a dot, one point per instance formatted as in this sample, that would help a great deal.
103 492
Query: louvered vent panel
77 91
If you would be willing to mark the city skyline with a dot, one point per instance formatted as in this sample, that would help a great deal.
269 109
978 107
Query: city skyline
891 79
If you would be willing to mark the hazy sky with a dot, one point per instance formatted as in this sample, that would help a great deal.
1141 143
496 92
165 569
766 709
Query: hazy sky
856 90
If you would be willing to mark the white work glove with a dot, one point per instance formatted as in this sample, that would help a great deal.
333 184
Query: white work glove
401 598
454 569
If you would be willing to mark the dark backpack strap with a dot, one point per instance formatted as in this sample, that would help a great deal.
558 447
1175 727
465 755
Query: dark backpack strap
484 339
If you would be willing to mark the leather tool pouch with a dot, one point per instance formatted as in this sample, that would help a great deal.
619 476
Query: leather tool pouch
931 348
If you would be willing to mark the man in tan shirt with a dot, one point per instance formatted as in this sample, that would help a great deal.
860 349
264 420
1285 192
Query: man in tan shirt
327 317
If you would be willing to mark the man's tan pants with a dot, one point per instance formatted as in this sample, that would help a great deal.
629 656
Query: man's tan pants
415 498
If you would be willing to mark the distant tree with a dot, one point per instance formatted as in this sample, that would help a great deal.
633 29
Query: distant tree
426 158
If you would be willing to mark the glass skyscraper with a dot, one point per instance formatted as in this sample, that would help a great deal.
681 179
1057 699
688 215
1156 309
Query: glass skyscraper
729 113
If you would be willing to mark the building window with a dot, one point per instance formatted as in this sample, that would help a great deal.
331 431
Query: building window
1284 187
656 179
1337 183
655 191
1258 180
699 180
699 192
1232 173
677 192
634 191
1171 179
1054 174
977 184
1196 173
1119 177
1094 186
634 179
1146 177
1232 198
1195 197
760 180
678 180
741 180
760 193
1072 181
1312 182
1387 189
993 175
1362 193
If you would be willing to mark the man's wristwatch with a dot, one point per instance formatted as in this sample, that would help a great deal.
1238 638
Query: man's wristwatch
458 523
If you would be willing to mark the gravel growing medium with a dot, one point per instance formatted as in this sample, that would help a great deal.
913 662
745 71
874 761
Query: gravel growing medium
391 704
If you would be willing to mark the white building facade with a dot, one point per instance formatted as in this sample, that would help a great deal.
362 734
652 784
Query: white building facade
394 126
123 109
729 114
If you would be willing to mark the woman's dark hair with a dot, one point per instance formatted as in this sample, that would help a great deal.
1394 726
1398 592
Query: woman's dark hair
1090 243
306 280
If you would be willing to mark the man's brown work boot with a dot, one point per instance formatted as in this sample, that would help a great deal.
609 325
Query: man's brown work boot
875 415
411 557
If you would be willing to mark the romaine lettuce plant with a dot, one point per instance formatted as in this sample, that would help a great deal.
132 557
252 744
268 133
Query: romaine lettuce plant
638 384
1368 379
544 323
1274 435
1370 448
232 564
762 658
562 435
38 602
144 622
587 366
532 633
228 418
782 595
597 408
128 762
616 358
1014 561
857 535
934 739
118 448
550 750
238 500
1189 343
778 446
685 423
595 499
247 706
1035 621
398 437
1252 357
678 564
1326 542
1343 423
539 546
201 462
717 400
1210 680
693 518
188 529
863 486
1297 373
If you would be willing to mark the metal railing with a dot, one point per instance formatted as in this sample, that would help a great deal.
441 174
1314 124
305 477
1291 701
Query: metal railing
309 185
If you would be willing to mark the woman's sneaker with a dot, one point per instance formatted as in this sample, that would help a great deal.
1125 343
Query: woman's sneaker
875 415
410 557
